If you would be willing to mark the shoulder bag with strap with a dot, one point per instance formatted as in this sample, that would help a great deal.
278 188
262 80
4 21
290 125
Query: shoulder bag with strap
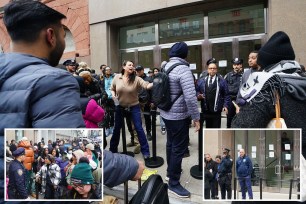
277 122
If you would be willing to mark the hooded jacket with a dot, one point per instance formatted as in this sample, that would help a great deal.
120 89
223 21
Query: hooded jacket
286 78
93 113
29 153
35 95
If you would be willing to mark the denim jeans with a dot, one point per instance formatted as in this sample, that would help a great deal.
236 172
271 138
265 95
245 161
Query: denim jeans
177 144
136 118
245 182
162 123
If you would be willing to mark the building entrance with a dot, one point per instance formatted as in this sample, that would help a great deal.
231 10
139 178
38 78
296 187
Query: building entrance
275 156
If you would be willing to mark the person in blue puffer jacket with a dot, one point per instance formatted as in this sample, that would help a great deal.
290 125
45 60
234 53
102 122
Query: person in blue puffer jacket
35 94
244 170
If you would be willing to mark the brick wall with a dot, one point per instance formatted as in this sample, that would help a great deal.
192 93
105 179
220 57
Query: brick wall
77 22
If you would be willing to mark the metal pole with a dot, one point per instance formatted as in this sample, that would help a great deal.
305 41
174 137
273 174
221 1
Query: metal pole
298 188
235 187
197 170
155 161
139 184
290 189
260 188
126 188
124 114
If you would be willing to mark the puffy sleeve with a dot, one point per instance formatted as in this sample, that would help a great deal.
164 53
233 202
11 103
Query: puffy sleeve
55 102
20 181
118 168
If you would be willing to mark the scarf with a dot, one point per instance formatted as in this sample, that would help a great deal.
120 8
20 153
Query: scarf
281 77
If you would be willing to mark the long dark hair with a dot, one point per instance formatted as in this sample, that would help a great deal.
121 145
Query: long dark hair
131 76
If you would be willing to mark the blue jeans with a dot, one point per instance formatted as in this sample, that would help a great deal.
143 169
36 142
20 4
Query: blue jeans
136 117
162 123
177 144
245 182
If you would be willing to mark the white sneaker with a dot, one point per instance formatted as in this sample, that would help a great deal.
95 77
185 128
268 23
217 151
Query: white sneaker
163 130
167 178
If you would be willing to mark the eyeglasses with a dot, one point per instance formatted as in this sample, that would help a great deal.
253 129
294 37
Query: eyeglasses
212 68
80 186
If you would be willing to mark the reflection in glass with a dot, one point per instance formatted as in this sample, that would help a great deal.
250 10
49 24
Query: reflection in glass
237 21
223 51
137 35
184 28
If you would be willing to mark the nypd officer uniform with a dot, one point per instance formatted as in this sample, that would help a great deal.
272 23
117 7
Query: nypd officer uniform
233 80
225 174
17 177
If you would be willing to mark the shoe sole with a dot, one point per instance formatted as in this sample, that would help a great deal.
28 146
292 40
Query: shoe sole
180 196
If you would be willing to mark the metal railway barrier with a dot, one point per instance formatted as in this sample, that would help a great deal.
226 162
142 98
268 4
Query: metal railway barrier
260 186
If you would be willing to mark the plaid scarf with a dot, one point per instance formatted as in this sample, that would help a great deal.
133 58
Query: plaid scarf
54 174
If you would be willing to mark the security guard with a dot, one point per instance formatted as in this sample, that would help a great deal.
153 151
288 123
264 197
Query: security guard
244 169
17 176
225 174
71 65
233 80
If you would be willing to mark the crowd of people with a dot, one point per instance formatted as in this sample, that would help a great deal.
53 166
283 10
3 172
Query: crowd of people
56 170
218 173
77 97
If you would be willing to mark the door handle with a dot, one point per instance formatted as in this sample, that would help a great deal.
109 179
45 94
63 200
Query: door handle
277 169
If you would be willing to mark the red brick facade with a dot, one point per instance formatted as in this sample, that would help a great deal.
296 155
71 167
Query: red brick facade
77 22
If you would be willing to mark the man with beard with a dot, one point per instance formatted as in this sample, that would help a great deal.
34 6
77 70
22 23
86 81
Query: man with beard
33 93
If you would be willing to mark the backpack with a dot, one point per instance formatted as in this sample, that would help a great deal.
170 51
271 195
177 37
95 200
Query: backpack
161 89
153 191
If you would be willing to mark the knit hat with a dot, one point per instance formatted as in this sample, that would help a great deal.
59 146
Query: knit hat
24 139
277 48
82 174
90 146
78 154
179 49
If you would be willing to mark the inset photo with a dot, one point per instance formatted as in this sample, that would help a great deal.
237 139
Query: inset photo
53 164
257 164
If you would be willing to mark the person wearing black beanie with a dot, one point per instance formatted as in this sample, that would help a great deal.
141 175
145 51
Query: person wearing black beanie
281 75
184 105
179 49
278 48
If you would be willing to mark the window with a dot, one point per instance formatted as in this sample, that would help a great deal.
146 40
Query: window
70 45
184 28
137 35
237 21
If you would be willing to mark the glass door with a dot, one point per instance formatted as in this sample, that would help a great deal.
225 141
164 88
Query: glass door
279 160
273 162
287 158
